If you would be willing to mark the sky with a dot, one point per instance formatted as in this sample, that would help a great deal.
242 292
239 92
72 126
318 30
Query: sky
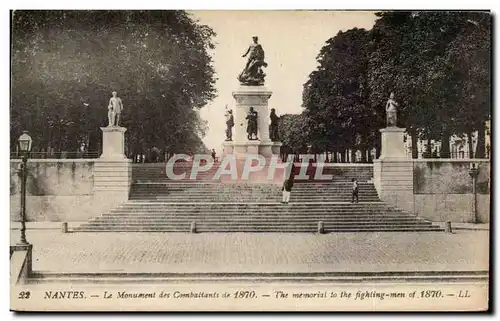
291 41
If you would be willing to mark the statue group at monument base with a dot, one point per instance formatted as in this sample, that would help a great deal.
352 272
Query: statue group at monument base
251 123
252 147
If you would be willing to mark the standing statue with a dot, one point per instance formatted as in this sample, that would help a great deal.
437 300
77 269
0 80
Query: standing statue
253 75
252 117
229 125
391 111
273 128
115 108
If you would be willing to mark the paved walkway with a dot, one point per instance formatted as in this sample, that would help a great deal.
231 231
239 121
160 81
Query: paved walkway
465 250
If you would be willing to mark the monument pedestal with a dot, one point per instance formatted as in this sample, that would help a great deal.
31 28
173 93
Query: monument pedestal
113 142
256 97
393 171
392 142
113 171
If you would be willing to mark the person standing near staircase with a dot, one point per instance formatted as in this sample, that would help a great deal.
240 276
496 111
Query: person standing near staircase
355 190
287 189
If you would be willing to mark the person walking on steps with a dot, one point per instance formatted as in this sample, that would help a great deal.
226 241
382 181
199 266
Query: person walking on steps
287 189
355 190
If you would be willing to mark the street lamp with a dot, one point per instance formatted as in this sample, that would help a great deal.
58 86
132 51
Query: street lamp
25 142
474 172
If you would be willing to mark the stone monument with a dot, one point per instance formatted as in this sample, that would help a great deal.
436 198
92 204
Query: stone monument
393 171
252 95
112 170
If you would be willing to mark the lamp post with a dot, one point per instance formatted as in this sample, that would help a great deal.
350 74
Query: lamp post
25 142
474 172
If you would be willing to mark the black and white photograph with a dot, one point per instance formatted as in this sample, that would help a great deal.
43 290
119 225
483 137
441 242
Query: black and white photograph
250 160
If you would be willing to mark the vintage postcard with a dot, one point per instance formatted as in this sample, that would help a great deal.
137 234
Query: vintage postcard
250 160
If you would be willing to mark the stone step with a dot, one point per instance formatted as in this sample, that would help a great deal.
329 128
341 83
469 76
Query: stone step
231 188
243 184
260 230
247 212
193 192
255 194
239 198
262 227
251 184
291 210
250 200
287 216
253 204
219 189
215 216
247 192
267 213
263 221
187 170
261 210
173 218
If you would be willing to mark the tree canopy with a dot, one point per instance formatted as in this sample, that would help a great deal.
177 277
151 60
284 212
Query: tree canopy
436 63
293 132
65 64
335 97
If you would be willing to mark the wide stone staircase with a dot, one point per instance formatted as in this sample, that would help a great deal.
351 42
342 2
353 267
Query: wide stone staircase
158 204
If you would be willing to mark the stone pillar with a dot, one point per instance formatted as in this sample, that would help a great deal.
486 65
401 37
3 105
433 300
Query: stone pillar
256 97
113 142
228 148
393 171
392 142
112 171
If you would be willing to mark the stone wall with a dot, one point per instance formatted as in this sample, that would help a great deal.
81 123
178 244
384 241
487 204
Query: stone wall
62 190
443 190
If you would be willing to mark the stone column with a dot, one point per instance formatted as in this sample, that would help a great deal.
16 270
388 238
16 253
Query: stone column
392 141
113 142
256 97
393 171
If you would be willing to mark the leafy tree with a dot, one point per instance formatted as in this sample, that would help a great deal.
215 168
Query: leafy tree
335 96
293 131
412 56
467 65
66 63
436 63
